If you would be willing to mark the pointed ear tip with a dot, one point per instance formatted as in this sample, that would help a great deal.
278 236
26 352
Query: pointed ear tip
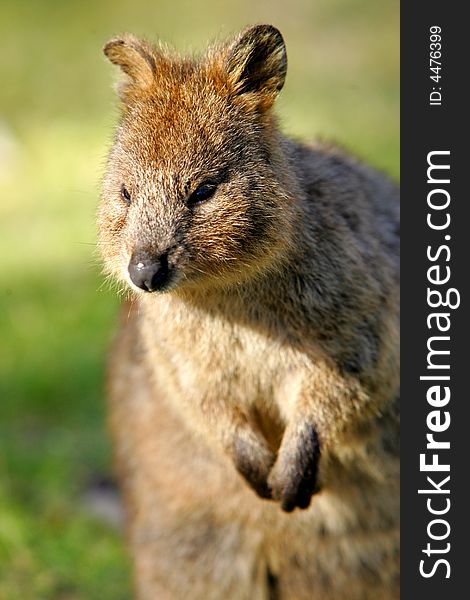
124 40
264 29
111 44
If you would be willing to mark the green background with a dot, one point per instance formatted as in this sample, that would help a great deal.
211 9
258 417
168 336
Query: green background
57 111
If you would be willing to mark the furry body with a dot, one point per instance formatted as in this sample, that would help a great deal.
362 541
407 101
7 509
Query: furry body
254 393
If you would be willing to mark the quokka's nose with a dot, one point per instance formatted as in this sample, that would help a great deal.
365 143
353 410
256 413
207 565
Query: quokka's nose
149 274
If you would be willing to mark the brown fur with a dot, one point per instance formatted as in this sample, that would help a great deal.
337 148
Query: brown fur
271 349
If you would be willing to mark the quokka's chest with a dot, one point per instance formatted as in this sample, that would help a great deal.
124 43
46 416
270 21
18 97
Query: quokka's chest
205 354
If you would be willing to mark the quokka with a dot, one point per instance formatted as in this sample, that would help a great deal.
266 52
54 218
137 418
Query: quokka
254 382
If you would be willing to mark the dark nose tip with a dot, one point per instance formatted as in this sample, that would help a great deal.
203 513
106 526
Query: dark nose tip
149 274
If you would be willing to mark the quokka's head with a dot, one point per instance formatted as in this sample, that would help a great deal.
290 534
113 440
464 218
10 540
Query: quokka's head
193 192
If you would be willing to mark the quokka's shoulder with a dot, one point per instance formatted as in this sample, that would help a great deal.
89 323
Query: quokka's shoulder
321 160
341 190
325 168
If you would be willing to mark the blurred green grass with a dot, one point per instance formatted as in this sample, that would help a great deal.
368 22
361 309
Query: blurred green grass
56 317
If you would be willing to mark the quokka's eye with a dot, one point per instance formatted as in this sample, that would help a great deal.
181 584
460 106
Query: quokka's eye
204 192
125 195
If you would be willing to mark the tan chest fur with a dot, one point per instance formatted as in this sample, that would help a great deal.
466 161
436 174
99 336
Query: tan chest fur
199 356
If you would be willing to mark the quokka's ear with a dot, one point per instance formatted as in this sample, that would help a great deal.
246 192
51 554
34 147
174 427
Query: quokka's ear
136 59
257 63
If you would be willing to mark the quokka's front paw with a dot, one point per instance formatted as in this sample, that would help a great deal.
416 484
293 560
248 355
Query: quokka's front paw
254 461
293 478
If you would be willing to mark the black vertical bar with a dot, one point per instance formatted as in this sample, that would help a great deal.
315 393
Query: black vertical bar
427 128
